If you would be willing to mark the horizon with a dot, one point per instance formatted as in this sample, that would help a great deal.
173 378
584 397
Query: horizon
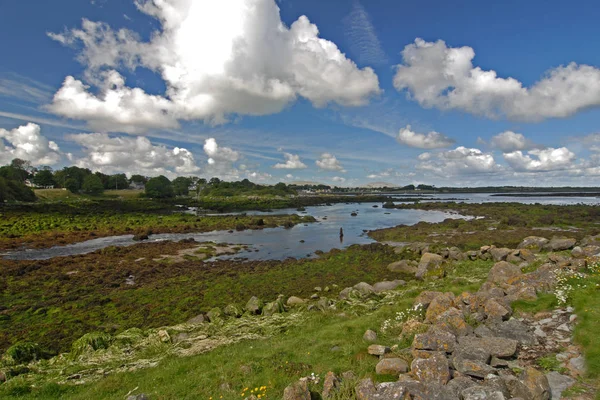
281 91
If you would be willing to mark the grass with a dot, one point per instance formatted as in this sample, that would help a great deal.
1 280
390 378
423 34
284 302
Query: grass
321 343
502 225
55 194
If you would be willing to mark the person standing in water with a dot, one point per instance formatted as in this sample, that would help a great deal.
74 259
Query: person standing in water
341 234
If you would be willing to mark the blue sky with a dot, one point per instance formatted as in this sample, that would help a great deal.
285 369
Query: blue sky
386 91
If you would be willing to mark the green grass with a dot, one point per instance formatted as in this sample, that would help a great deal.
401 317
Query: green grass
322 343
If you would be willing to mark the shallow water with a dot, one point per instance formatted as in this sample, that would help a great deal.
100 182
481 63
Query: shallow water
273 243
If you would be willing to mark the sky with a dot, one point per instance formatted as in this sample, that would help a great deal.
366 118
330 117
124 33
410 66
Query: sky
341 92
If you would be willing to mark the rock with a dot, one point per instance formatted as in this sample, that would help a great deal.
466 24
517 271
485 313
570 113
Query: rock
233 310
585 251
525 293
214 314
503 273
387 285
499 254
474 368
318 289
458 384
435 341
438 306
577 365
533 243
513 329
403 267
559 244
497 346
433 369
164 336
198 319
455 254
453 321
2 377
537 383
412 327
482 393
140 237
431 266
140 396
294 301
377 350
364 288
495 310
297 391
274 307
345 293
426 297
365 390
526 255
474 353
559 383
330 385
370 336
391 366
254 305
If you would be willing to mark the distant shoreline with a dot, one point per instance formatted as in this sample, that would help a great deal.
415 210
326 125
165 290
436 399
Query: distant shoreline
554 194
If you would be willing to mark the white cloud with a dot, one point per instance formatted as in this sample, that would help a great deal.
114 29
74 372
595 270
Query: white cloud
541 160
27 142
363 36
460 161
424 156
431 140
338 179
216 59
22 88
221 161
444 77
330 163
132 156
510 141
292 162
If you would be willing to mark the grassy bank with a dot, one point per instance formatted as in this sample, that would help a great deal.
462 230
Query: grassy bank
46 225
318 344
500 224
55 301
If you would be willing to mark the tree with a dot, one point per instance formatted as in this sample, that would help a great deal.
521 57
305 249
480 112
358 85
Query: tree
181 186
92 184
159 187
13 190
44 178
71 185
118 181
214 181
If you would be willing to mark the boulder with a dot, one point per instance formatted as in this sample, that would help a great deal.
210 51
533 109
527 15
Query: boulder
474 353
499 254
513 329
391 366
537 383
233 310
436 341
497 346
533 243
559 244
365 390
370 336
426 297
274 307
434 369
377 350
214 314
364 288
345 293
521 292
558 384
430 266
482 393
198 319
453 321
297 391
503 273
439 305
496 311
254 305
331 385
473 368
403 267
585 251
387 285
294 301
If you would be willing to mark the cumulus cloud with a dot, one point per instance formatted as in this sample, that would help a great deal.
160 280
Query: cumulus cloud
132 155
216 59
292 162
338 179
444 77
431 140
221 161
510 141
27 142
541 160
460 161
329 162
